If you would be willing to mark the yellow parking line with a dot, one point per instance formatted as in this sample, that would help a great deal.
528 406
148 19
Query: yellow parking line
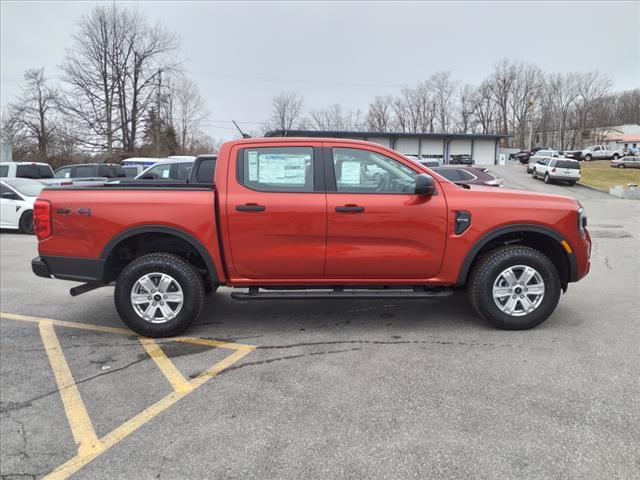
166 366
123 331
130 426
79 421
81 427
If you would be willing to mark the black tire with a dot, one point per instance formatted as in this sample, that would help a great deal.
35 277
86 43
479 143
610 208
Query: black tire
488 269
546 178
621 165
26 222
571 184
616 156
587 158
184 274
210 289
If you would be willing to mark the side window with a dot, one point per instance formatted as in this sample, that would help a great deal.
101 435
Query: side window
64 172
4 170
4 189
27 171
183 170
597 149
277 169
84 171
363 171
160 171
449 173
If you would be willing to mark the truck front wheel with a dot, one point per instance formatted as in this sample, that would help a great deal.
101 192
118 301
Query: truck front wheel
159 295
514 287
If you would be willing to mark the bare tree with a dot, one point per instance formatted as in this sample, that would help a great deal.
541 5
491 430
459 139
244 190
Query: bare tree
501 86
380 115
443 89
112 75
30 119
465 108
484 108
286 109
525 92
188 112
592 87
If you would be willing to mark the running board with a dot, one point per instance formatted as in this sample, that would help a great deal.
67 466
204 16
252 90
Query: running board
417 293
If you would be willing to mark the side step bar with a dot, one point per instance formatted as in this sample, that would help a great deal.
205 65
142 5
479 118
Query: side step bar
338 293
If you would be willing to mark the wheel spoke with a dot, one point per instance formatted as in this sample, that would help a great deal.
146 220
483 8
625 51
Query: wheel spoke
527 305
500 292
164 283
510 305
527 275
146 283
509 276
140 299
167 311
174 297
535 289
150 311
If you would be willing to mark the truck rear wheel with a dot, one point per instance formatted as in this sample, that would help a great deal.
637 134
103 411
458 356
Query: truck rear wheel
159 295
514 287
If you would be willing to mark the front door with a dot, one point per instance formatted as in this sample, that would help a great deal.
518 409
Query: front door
377 228
276 211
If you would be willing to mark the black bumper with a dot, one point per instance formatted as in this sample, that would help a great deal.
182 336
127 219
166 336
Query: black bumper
87 270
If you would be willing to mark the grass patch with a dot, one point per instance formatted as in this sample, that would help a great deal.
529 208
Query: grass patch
598 174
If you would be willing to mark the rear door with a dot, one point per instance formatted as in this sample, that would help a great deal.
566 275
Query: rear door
377 228
276 211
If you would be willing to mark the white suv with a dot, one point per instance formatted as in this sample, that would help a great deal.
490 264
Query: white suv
562 169
34 170
539 155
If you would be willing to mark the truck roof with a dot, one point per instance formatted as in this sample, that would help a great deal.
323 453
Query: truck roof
281 140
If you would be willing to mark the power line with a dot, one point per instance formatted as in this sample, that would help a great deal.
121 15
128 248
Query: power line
294 80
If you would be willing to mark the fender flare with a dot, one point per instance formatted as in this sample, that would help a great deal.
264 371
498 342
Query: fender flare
187 237
493 234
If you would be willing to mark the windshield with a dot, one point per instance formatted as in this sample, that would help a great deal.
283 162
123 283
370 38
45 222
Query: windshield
26 188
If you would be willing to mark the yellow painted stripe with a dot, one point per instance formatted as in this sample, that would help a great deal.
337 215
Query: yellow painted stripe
76 463
166 366
79 421
123 331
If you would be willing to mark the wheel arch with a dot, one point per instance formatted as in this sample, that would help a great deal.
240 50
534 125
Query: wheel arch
146 230
544 239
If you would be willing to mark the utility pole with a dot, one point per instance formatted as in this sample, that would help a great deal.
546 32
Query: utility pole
531 105
158 123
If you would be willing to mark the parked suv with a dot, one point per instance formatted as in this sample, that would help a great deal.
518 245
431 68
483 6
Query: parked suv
561 169
34 170
539 155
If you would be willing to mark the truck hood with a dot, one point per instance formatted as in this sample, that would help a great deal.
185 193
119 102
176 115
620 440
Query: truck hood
519 198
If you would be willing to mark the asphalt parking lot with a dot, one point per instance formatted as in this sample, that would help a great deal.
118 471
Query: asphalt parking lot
328 389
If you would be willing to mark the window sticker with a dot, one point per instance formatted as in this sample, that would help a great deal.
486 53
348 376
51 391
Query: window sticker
253 166
282 168
350 173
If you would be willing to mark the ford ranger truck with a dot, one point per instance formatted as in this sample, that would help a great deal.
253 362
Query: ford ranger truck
296 218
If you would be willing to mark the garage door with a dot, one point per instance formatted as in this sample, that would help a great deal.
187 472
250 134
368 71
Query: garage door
408 146
459 147
431 146
484 152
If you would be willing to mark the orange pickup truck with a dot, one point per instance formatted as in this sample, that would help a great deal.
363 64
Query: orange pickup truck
296 218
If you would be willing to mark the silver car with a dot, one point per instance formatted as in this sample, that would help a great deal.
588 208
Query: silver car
626 162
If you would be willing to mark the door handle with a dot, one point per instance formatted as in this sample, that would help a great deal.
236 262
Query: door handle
350 209
251 207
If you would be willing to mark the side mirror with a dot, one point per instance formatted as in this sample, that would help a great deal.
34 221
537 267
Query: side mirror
10 196
425 185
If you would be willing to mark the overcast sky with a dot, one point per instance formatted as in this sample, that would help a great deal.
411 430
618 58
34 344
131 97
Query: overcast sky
241 54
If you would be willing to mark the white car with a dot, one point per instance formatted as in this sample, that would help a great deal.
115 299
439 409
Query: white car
16 203
562 169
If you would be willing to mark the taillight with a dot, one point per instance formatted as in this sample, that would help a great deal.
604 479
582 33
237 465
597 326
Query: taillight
42 219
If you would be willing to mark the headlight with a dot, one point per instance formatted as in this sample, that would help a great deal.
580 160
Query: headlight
582 221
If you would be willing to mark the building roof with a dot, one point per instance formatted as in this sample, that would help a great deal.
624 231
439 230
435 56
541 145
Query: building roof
357 134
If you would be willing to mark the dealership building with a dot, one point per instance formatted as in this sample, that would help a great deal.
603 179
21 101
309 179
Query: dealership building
482 148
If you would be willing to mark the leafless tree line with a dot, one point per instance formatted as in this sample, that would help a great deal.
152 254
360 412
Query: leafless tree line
120 93
518 99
